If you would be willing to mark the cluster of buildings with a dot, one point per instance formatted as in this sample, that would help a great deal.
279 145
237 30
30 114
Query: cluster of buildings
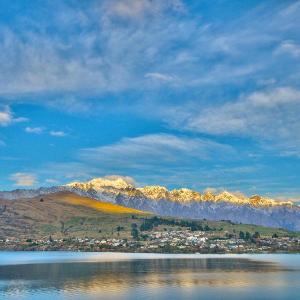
176 241
183 239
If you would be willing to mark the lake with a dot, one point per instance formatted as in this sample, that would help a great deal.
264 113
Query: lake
69 275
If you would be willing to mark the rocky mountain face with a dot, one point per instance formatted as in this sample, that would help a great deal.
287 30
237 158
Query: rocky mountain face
183 202
117 185
187 203
31 193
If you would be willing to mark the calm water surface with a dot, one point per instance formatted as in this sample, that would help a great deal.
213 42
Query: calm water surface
66 275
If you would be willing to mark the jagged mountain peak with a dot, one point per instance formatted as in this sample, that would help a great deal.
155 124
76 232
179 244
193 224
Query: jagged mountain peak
184 195
125 185
155 192
231 197
98 184
182 202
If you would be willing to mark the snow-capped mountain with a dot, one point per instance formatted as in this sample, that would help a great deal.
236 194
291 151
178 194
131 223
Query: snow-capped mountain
117 185
192 204
180 202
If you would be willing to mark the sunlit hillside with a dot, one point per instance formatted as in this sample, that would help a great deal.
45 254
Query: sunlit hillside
96 205
63 215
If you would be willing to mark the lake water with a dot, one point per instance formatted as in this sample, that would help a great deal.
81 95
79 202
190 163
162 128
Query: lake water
65 275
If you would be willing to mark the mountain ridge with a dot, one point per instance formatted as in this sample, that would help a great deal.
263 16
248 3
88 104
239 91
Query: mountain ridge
181 203
157 192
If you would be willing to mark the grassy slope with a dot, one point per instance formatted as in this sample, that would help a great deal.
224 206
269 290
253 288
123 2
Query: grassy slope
63 214
66 214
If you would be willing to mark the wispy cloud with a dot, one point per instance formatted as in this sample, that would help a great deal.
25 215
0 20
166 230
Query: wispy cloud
42 130
40 63
160 76
24 179
290 47
270 115
155 150
140 8
52 181
195 69
100 57
155 158
35 130
72 104
57 133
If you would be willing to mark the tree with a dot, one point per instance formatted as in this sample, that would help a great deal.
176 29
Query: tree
229 235
194 227
275 235
146 225
242 235
256 235
247 236
206 228
134 231
119 228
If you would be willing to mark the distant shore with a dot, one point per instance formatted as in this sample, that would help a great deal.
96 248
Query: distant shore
177 242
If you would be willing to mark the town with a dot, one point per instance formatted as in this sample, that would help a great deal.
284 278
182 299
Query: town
170 241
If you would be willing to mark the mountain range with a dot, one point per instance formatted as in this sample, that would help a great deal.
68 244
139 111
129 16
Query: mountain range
184 203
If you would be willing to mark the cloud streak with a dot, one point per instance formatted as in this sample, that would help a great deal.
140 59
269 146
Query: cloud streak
57 133
155 150
153 158
289 47
24 179
267 116
35 130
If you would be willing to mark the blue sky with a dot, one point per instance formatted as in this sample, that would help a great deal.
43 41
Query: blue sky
179 93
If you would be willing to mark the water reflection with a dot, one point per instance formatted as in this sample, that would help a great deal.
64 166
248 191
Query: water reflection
121 278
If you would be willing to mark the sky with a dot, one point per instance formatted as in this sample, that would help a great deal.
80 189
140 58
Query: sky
198 94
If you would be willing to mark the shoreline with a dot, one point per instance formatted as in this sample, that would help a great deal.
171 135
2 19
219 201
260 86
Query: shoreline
8 258
148 252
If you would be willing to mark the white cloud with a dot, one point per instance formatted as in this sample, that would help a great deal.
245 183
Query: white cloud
71 104
160 76
70 171
252 114
290 47
155 151
34 62
128 179
7 117
51 181
266 82
292 9
24 179
36 130
40 130
139 8
271 115
154 159
57 133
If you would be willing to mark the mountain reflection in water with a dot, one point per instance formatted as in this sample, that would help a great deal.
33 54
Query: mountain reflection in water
146 278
